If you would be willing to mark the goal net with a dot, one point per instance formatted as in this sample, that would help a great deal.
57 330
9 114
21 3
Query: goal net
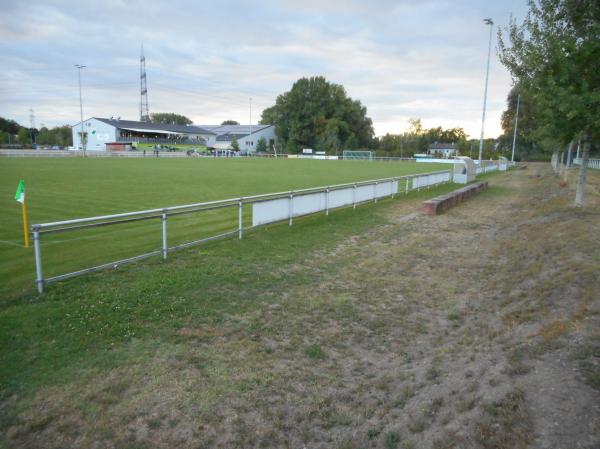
354 155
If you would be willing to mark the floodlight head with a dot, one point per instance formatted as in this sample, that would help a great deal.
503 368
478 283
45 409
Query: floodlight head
488 21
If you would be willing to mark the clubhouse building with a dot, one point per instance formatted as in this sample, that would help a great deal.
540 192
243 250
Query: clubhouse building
104 134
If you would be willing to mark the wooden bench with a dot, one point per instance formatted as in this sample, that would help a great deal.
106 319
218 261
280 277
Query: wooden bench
440 203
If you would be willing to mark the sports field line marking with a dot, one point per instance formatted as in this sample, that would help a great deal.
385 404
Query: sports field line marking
8 242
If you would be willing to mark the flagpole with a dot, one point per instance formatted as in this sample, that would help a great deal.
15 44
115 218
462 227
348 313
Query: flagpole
25 224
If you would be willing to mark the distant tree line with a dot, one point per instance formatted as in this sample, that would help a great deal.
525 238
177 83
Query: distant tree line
169 118
318 114
13 133
417 139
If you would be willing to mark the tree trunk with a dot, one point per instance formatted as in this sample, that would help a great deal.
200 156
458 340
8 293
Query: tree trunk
568 164
579 196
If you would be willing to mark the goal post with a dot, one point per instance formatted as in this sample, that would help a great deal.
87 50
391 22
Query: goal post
357 155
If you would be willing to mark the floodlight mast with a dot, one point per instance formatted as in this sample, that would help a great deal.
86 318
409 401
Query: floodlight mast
81 138
489 22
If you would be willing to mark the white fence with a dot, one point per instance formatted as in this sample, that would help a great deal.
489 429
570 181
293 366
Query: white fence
488 167
430 179
592 163
266 208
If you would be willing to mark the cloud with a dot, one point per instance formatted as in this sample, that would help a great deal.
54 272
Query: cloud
401 59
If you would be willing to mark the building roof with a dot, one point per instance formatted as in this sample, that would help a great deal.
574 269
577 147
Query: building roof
230 131
154 127
228 137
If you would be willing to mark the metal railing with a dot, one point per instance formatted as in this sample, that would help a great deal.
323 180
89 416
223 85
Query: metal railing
419 181
592 163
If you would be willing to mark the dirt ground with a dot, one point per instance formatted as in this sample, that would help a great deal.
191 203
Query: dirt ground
478 328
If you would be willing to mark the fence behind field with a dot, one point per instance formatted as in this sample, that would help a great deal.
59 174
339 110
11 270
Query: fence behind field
265 208
489 166
592 163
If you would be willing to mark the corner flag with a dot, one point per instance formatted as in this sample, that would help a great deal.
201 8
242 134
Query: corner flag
20 197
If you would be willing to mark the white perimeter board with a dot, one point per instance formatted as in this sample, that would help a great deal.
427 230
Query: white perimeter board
270 211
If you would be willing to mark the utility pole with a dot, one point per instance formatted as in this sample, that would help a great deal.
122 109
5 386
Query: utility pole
82 137
512 159
489 22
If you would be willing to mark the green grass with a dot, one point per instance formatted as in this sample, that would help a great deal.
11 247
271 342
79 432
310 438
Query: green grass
92 323
60 189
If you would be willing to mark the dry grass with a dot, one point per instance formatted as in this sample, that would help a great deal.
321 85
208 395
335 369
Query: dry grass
421 333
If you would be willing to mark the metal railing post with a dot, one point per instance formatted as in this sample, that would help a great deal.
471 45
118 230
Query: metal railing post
240 218
375 192
39 276
327 201
392 186
291 208
354 197
165 246
407 186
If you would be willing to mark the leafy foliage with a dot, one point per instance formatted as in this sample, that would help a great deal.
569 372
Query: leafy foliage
554 59
417 139
318 114
230 122
24 136
9 126
261 145
235 145
60 135
169 118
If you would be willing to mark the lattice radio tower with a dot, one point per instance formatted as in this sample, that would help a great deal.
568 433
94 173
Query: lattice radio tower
144 115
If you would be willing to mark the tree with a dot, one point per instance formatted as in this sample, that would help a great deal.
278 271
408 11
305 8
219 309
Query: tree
230 122
526 138
417 139
24 136
261 145
59 135
9 126
318 114
235 145
169 118
554 59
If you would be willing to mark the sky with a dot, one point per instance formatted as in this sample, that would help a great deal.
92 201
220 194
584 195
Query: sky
206 59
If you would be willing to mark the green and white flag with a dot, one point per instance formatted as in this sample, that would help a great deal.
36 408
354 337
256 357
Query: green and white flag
20 195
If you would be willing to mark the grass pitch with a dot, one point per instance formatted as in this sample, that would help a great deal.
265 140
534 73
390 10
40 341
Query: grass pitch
370 328
61 189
